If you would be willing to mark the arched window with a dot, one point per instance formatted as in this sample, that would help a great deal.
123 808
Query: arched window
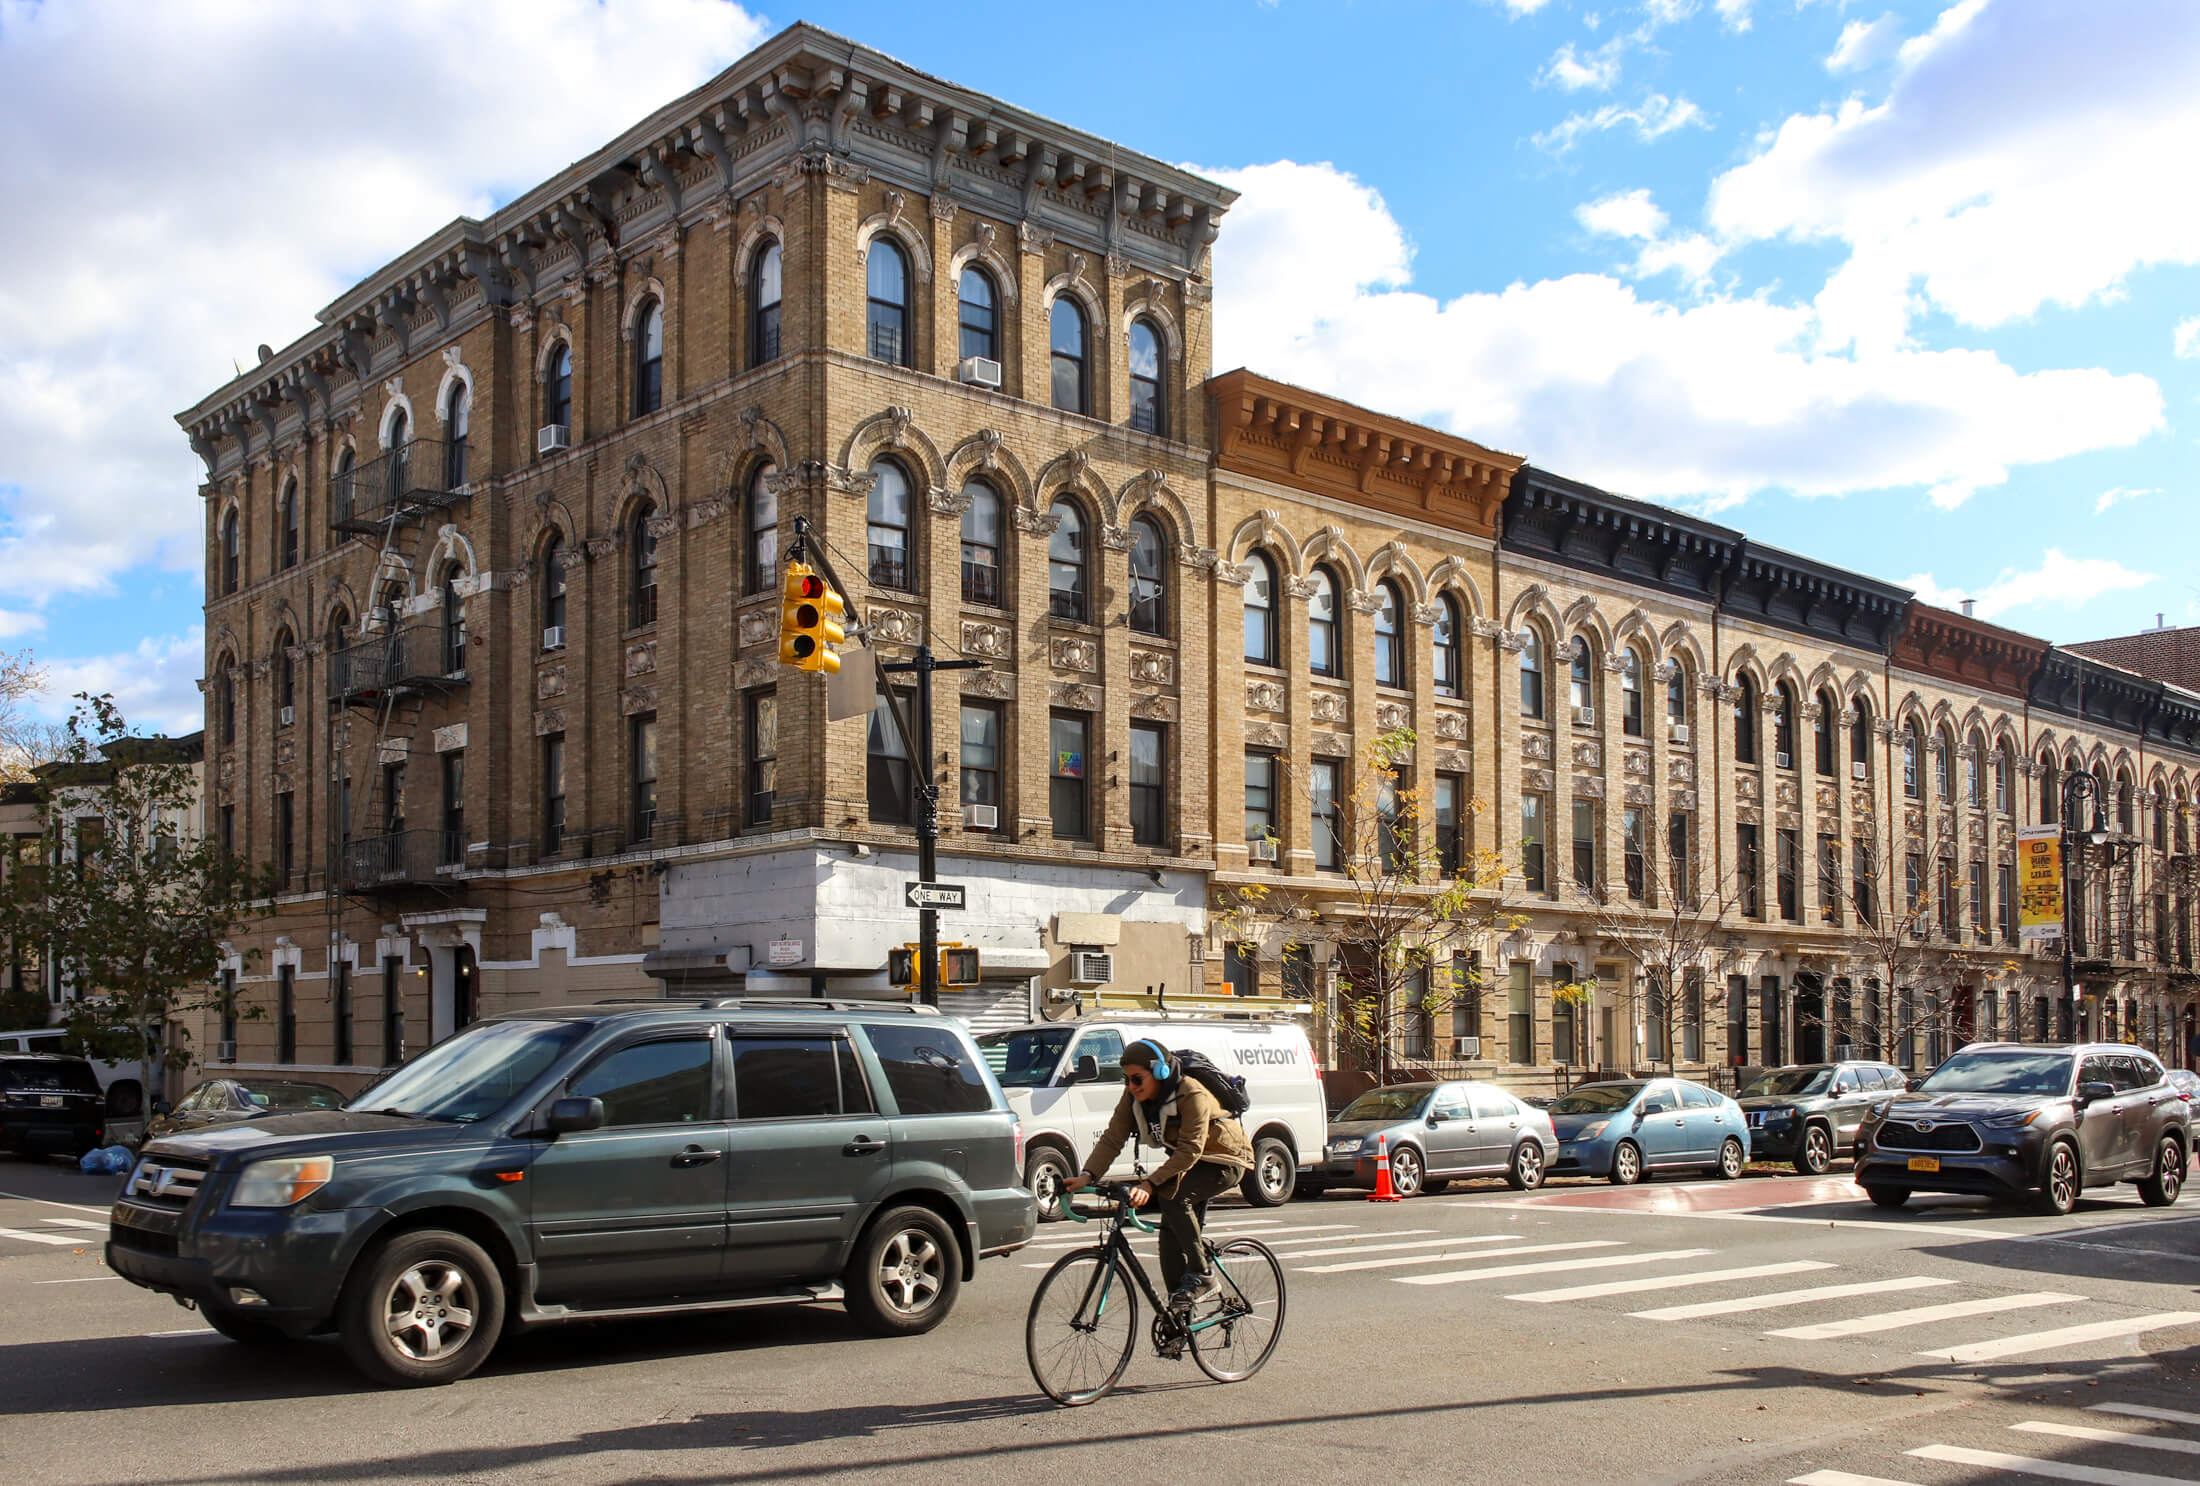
649 359
338 622
1149 411
887 527
1390 645
1630 692
1149 578
225 697
2160 815
1067 559
1745 720
1974 773
1445 668
1321 626
2050 791
1913 783
457 417
1066 346
1944 768
553 592
557 389
454 621
764 305
1860 740
400 430
345 465
2126 806
1829 718
886 302
1260 611
1581 688
981 544
286 677
2182 823
643 544
975 314
287 536
1531 672
760 523
232 553
1783 728
2001 779
1676 702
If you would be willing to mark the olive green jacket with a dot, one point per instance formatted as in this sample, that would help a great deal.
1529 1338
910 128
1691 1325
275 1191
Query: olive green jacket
1191 1128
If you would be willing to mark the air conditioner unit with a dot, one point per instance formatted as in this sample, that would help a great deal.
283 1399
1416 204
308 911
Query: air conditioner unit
552 437
1859 770
1585 717
286 716
981 817
1263 850
225 1052
553 637
979 371
1677 733
1091 967
1467 1047
1783 760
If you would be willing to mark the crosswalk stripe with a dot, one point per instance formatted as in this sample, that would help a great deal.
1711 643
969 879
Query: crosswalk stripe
1920 1315
58 1240
75 1223
1844 1478
1264 1234
2068 1336
1778 1298
2144 1411
1506 1271
2053 1470
2110 1437
1378 1248
1671 1281
1539 1248
1292 1246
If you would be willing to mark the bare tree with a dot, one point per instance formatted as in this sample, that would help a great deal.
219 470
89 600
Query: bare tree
25 741
1405 899
1672 932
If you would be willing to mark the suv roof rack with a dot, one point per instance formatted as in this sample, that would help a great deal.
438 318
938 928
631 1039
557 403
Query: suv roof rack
805 1003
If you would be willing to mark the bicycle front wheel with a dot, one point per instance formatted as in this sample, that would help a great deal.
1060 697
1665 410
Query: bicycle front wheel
1082 1326
1234 1334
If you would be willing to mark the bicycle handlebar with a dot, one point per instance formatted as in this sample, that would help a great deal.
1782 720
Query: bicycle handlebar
1117 1192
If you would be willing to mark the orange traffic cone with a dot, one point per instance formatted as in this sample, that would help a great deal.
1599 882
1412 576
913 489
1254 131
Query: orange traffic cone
1384 1191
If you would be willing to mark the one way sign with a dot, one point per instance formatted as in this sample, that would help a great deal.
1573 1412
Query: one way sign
933 894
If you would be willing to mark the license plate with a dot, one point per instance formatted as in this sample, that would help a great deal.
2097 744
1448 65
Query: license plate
52 1101
1924 1163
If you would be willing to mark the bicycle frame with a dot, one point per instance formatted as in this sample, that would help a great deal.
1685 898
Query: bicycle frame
1117 1246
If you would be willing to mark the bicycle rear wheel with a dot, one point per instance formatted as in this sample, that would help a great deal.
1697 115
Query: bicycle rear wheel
1082 1326
1234 1334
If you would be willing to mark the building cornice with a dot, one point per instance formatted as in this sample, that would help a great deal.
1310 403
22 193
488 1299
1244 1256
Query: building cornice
1583 527
1806 597
1968 652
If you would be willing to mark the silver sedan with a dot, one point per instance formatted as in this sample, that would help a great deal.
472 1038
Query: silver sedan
1435 1133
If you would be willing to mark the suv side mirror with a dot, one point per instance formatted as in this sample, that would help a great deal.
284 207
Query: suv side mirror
162 1107
569 1116
1087 1070
2087 1093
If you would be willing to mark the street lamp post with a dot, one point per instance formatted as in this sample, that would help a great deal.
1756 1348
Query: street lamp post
2078 784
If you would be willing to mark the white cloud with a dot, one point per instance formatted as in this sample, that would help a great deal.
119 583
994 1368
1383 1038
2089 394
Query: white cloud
1865 44
1721 399
1689 254
2117 496
2070 582
1573 71
155 684
1734 14
2185 340
204 182
15 623
2041 125
1627 214
1652 119
1524 7
1635 216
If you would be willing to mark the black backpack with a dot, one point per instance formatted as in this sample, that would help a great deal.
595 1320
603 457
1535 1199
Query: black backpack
1228 1088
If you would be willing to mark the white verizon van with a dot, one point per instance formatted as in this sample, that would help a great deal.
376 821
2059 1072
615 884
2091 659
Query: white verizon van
1063 1080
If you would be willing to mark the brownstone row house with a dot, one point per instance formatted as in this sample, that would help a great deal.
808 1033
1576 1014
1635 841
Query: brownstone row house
493 611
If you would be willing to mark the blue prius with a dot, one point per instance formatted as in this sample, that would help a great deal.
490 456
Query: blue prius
1629 1127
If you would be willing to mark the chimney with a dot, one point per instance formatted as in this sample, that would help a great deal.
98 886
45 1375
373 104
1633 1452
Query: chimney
1969 606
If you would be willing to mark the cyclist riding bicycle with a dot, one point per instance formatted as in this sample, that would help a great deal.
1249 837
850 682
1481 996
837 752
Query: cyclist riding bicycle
1208 1155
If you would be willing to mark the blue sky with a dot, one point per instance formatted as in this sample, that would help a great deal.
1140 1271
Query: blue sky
1902 284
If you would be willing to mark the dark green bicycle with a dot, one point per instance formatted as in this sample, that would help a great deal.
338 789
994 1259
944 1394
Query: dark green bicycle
1084 1319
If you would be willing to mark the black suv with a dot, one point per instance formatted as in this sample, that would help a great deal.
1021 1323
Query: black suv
2011 1119
592 1162
1808 1113
50 1106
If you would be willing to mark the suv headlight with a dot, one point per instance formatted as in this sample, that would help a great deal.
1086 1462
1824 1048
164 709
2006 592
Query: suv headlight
284 1183
2010 1119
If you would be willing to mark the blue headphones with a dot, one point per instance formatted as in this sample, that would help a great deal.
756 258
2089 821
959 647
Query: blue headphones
1160 1059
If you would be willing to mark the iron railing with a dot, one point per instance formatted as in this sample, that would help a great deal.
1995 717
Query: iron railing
417 477
414 655
399 859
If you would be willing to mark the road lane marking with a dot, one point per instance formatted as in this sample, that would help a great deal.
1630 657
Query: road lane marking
2053 1470
1536 1248
60 1240
1261 1233
1920 1315
2068 1336
75 1223
186 1331
1844 1478
1671 1281
1505 1271
2144 1411
2110 1437
1780 1298
89 1279
49 1202
1382 1248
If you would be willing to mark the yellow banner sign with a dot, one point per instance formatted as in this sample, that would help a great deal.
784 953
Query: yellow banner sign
2039 883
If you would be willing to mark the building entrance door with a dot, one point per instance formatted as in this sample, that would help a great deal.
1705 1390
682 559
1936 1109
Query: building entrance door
1810 1018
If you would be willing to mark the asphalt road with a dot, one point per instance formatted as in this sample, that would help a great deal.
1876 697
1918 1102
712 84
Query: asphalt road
1768 1330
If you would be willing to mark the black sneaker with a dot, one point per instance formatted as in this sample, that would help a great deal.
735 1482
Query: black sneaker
1193 1290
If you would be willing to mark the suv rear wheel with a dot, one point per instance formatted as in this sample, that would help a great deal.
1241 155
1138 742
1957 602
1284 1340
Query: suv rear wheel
1275 1173
2160 1187
905 1274
1816 1155
424 1308
1045 1169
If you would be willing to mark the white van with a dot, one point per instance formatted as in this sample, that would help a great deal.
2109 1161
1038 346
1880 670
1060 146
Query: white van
1063 1080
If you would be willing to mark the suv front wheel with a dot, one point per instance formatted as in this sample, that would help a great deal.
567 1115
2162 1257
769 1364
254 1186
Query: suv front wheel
905 1274
424 1308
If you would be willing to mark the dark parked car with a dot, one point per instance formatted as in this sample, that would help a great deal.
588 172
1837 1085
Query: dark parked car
224 1101
2009 1120
595 1162
1809 1113
50 1105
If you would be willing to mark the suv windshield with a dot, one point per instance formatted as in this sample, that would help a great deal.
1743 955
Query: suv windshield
1786 1083
1387 1104
473 1075
40 1073
1596 1099
1025 1060
273 1093
2006 1072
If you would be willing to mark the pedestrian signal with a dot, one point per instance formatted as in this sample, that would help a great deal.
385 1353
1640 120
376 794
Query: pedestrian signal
809 621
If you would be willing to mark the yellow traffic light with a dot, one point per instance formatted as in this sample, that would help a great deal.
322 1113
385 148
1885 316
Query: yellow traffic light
958 966
809 622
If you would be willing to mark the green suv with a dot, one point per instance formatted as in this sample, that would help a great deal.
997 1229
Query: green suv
596 1162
